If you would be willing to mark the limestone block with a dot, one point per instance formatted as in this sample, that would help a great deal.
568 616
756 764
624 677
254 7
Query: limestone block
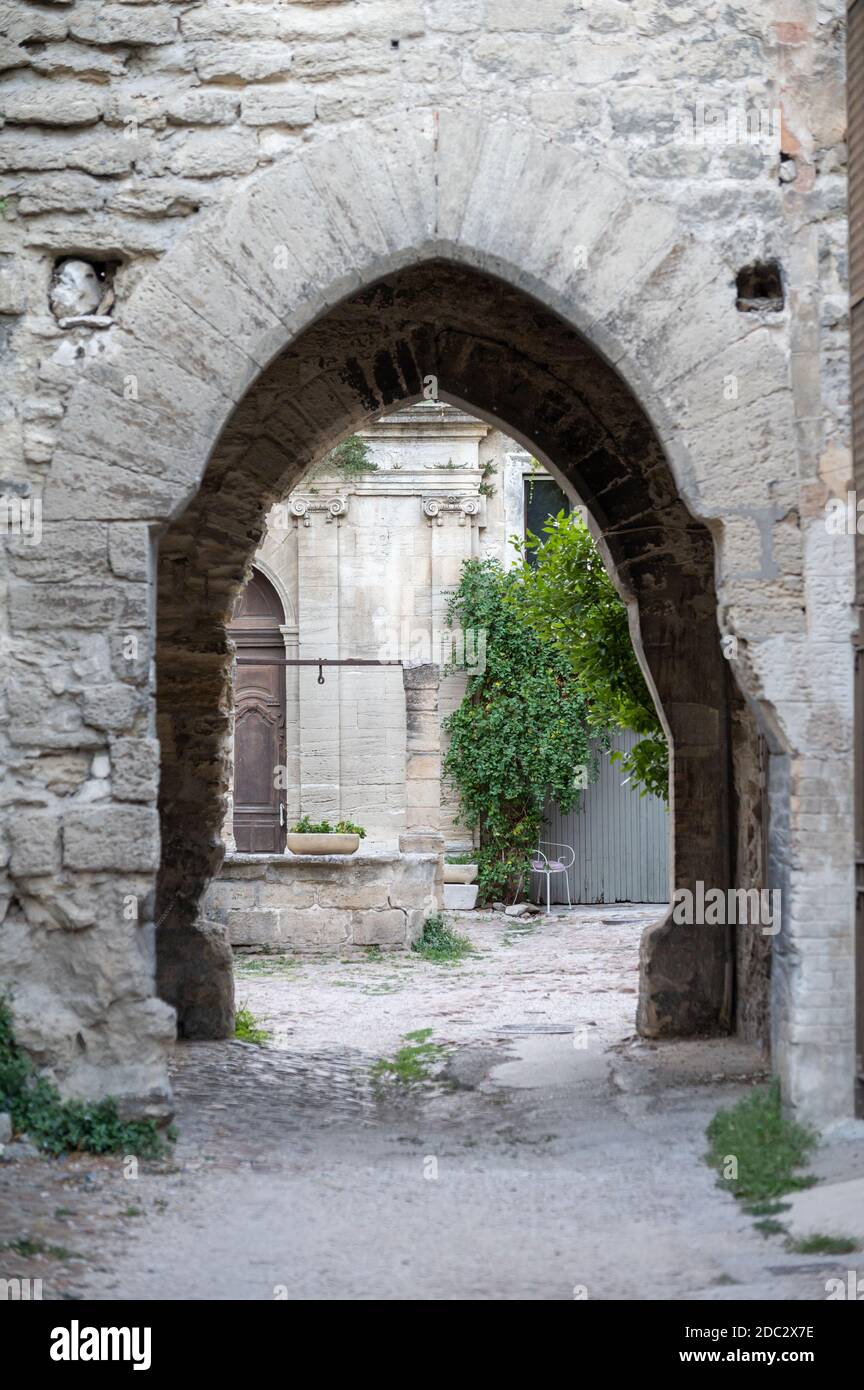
79 59
92 154
203 106
318 61
66 553
421 841
352 894
64 104
278 106
315 929
55 607
135 768
207 155
34 838
423 766
248 62
253 927
552 16
103 22
288 893
129 550
460 896
13 291
112 707
113 837
61 193
381 928
413 884
12 56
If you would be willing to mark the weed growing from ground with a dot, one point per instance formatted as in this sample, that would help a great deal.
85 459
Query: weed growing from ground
412 1063
439 943
767 1144
247 1028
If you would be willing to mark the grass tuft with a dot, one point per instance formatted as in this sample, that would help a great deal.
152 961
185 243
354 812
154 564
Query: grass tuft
412 1063
767 1144
439 943
823 1245
247 1028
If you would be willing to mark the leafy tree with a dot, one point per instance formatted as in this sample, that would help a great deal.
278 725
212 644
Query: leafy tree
571 601
520 733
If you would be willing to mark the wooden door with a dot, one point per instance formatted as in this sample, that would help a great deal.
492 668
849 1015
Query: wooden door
259 720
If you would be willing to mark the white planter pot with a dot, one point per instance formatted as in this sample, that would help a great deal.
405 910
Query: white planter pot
459 873
323 844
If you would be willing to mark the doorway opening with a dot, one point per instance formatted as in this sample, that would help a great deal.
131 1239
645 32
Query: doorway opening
491 350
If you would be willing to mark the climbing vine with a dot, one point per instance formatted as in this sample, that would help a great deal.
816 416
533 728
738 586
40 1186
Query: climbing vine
570 599
519 735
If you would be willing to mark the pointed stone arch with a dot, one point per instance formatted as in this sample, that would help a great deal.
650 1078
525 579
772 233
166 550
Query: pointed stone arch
335 224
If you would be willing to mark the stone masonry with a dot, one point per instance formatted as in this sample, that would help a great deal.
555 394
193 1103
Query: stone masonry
304 903
299 213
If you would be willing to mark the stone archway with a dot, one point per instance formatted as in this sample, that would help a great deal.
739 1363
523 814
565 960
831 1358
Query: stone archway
467 335
329 227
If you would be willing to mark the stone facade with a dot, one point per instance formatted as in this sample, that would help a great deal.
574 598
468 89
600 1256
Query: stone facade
303 212
364 567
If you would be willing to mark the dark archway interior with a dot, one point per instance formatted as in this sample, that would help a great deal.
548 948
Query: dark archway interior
507 357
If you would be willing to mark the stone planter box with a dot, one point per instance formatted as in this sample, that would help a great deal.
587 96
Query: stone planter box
460 896
459 873
322 844
325 903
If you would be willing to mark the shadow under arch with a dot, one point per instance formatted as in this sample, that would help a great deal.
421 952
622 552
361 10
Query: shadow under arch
485 344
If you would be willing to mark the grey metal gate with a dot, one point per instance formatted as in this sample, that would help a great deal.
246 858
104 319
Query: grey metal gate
621 840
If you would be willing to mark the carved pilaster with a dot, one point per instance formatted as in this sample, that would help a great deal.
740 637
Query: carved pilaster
468 507
303 506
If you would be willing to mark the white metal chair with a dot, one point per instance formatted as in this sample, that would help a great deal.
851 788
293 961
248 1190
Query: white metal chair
542 863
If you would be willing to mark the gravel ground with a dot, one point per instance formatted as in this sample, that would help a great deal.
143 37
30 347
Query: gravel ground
547 1153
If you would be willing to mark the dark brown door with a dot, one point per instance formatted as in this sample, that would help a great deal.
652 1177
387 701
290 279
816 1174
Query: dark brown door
259 720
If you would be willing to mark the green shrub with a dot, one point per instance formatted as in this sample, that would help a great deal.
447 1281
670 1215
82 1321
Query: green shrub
305 826
57 1126
520 733
571 601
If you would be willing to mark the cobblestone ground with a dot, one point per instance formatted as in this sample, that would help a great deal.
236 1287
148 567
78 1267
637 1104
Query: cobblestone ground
546 1151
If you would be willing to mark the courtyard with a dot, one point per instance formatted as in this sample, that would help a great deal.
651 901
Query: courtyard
544 1151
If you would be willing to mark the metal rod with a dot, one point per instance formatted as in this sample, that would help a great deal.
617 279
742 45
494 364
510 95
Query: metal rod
313 661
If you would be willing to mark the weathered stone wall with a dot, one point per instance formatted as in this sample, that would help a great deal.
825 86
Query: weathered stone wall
299 903
240 169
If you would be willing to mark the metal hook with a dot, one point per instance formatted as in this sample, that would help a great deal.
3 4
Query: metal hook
320 673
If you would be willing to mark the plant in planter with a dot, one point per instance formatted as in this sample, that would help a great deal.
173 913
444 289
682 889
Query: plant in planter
320 837
460 868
